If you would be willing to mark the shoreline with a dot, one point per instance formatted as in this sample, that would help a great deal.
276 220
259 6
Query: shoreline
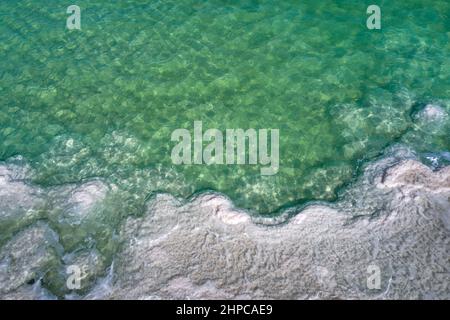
205 248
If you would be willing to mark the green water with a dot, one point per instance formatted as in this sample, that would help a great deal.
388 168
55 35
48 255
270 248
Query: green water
103 101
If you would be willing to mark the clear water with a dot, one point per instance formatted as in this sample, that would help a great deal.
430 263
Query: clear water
102 102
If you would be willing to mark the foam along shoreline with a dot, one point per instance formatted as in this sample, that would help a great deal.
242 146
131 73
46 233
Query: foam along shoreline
205 248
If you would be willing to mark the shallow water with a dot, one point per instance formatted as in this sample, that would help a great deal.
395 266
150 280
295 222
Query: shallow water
103 101
100 104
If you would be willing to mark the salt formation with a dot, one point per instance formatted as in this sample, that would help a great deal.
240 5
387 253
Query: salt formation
206 249
432 112
17 198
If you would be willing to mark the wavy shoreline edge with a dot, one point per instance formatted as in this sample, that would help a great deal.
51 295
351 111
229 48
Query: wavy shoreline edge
397 218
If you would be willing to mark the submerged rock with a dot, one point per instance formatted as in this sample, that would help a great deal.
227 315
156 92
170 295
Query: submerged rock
24 261
83 198
31 259
432 112
77 202
17 198
432 118
91 265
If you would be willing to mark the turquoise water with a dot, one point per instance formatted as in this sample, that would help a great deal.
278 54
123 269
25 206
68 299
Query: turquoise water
103 102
